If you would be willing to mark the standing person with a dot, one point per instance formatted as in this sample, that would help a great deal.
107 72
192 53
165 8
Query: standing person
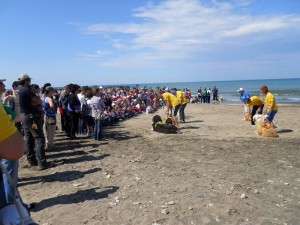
200 97
50 110
63 104
215 94
32 121
97 105
208 95
182 101
89 119
243 97
11 149
173 105
204 95
74 109
10 165
12 100
271 105
257 106
82 127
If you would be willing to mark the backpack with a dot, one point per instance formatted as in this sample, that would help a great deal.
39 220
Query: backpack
85 110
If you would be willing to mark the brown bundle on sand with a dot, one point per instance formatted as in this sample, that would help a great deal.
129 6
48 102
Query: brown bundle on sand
259 130
269 132
266 131
247 116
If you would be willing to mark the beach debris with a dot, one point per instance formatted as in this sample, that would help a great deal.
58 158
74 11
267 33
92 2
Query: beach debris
112 204
271 181
191 208
78 184
230 191
256 191
136 203
210 205
286 184
138 178
171 203
243 196
218 219
232 211
108 176
164 207
165 211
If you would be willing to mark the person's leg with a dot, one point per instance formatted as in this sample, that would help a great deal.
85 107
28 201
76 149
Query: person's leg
29 140
96 129
39 140
181 112
74 119
100 129
50 135
254 109
10 166
174 115
270 118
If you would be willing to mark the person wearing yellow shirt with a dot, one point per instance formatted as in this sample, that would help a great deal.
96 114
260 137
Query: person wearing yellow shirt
271 105
257 106
172 104
182 101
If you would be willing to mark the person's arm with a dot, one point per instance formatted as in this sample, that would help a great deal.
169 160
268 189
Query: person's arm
12 147
50 102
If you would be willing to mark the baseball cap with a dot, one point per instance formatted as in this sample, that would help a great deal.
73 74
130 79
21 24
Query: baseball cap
241 89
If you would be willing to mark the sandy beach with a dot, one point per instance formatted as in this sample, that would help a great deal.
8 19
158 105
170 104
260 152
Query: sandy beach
216 171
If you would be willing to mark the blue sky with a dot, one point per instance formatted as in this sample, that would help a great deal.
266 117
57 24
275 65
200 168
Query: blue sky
138 41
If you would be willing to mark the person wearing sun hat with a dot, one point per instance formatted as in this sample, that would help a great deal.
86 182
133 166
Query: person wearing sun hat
32 120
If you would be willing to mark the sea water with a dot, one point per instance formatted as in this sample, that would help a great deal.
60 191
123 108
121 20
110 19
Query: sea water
284 90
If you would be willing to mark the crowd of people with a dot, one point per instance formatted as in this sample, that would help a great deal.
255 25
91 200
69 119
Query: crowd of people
84 111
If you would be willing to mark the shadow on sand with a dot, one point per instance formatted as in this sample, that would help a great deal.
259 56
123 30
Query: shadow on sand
77 197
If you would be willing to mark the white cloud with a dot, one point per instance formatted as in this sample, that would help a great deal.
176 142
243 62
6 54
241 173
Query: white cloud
97 54
182 28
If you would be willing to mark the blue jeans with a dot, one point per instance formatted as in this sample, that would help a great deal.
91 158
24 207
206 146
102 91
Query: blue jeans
9 192
98 129
34 140
82 129
181 112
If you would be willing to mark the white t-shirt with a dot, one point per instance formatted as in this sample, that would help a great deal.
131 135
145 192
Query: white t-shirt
81 98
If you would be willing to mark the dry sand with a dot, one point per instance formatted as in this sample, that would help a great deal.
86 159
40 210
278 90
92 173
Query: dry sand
138 176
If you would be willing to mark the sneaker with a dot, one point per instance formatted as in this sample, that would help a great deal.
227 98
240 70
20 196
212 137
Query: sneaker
30 165
29 206
42 167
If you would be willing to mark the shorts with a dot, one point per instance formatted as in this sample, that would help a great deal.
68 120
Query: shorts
174 110
271 115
